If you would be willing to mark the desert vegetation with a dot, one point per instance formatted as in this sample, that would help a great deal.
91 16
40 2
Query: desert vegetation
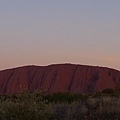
103 105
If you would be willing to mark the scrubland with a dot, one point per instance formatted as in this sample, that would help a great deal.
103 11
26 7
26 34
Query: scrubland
103 105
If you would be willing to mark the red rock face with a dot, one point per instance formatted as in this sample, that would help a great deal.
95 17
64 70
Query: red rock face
58 78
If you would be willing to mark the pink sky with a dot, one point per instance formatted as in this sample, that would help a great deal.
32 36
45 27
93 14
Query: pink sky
53 32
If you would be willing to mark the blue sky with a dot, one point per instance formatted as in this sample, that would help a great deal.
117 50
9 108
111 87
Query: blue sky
43 32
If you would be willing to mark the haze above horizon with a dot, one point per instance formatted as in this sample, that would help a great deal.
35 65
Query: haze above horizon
44 32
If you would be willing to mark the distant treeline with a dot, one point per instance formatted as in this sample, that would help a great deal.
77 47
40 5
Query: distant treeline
69 97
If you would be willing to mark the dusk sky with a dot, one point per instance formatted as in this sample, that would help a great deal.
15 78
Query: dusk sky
44 32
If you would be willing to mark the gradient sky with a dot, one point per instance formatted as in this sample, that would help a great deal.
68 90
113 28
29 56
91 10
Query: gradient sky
43 32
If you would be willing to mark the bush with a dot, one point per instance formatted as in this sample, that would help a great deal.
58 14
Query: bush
24 107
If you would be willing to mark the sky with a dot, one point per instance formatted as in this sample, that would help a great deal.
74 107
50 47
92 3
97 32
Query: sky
44 32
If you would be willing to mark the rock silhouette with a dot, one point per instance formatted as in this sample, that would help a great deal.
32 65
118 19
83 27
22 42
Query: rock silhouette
58 78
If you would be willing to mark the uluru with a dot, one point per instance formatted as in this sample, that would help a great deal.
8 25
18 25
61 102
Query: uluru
58 78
